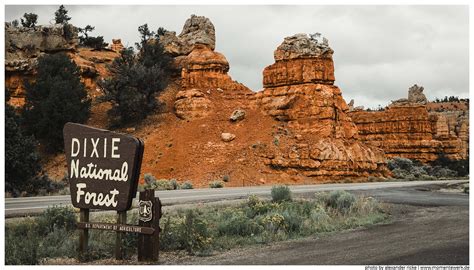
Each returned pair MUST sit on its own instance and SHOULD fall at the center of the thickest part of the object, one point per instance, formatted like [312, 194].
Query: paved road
[428, 226]
[31, 205]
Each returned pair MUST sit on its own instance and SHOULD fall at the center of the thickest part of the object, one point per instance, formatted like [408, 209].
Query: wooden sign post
[149, 216]
[103, 169]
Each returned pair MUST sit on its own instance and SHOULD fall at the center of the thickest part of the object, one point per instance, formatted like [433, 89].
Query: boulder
[196, 30]
[227, 137]
[237, 115]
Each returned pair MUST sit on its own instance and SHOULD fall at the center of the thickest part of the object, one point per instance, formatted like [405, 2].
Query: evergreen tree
[93, 42]
[60, 16]
[29, 20]
[21, 158]
[137, 78]
[56, 97]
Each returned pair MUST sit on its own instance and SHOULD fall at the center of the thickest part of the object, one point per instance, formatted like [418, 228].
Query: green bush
[174, 184]
[340, 200]
[216, 184]
[187, 185]
[280, 194]
[235, 222]
[21, 243]
[56, 218]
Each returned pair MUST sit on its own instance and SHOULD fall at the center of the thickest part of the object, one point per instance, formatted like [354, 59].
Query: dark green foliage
[29, 20]
[85, 40]
[56, 218]
[56, 97]
[281, 193]
[68, 31]
[459, 166]
[403, 168]
[60, 16]
[21, 243]
[15, 23]
[21, 159]
[96, 43]
[43, 185]
[216, 184]
[136, 80]
[49, 235]
[189, 233]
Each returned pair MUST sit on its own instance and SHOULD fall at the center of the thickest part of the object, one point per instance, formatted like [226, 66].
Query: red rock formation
[25, 45]
[116, 45]
[402, 131]
[323, 140]
[408, 129]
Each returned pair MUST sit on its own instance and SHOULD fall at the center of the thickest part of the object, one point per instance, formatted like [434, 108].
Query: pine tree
[21, 158]
[29, 20]
[60, 16]
[56, 97]
[137, 78]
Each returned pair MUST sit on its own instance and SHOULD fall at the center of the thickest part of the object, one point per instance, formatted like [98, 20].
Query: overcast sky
[379, 51]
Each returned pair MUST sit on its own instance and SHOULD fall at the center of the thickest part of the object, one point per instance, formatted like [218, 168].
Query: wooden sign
[103, 167]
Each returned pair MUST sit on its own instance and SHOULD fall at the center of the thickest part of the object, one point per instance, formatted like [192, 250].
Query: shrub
[400, 163]
[194, 233]
[164, 184]
[280, 194]
[226, 178]
[22, 162]
[21, 243]
[56, 218]
[56, 97]
[216, 184]
[85, 40]
[29, 20]
[187, 185]
[459, 166]
[174, 184]
[340, 200]
[236, 223]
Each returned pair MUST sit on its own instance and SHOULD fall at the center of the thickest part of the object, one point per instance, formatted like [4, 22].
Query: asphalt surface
[429, 226]
[23, 206]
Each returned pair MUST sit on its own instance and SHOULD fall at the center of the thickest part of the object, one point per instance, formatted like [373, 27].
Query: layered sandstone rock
[408, 129]
[116, 45]
[24, 45]
[451, 127]
[299, 92]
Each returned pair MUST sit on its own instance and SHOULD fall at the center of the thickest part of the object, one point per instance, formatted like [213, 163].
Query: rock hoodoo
[299, 93]
[196, 30]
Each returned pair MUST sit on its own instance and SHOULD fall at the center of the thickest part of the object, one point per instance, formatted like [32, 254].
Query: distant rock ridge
[408, 128]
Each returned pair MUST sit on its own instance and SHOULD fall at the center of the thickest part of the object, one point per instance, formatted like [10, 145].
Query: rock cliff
[409, 128]
[24, 45]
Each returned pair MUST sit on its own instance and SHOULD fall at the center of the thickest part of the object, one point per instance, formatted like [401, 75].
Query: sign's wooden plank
[103, 167]
[115, 227]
